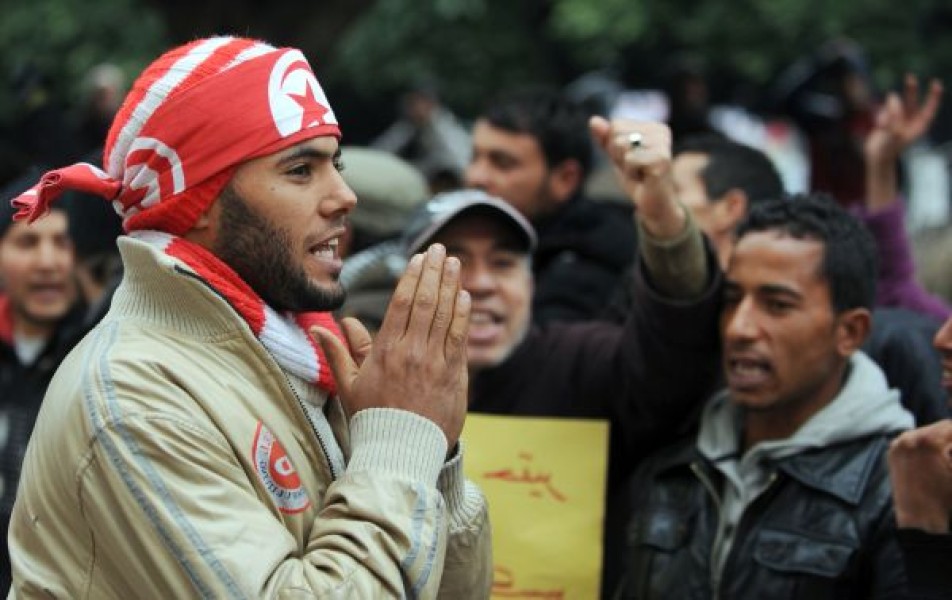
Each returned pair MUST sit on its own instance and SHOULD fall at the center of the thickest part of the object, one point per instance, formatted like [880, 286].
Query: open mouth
[745, 373]
[947, 376]
[484, 325]
[326, 250]
[47, 290]
[484, 317]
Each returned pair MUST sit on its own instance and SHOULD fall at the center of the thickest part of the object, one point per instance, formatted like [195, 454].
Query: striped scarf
[285, 336]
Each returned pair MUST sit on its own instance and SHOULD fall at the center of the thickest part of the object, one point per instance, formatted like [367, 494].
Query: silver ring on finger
[635, 140]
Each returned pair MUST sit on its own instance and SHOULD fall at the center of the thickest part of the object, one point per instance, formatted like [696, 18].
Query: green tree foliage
[477, 46]
[62, 39]
[757, 38]
[471, 47]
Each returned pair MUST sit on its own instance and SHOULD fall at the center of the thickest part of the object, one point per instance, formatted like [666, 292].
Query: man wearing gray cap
[645, 375]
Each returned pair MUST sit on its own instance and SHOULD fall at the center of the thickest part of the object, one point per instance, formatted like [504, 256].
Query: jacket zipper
[744, 519]
[307, 415]
[709, 486]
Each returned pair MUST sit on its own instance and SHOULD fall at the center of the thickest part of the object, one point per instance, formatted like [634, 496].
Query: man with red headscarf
[214, 436]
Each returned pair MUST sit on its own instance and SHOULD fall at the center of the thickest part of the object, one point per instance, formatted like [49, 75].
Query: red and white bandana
[285, 336]
[187, 126]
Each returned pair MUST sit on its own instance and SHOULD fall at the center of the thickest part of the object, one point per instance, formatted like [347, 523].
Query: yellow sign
[544, 479]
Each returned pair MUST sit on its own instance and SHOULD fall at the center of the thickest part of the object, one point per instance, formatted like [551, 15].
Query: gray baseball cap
[433, 216]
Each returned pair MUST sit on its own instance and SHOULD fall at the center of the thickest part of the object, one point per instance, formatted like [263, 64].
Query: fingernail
[436, 250]
[451, 265]
[463, 298]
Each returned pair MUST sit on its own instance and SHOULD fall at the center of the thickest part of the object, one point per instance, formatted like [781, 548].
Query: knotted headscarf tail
[284, 335]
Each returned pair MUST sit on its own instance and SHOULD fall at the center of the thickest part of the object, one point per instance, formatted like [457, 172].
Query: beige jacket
[174, 458]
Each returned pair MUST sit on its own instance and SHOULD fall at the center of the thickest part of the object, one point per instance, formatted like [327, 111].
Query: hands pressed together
[417, 362]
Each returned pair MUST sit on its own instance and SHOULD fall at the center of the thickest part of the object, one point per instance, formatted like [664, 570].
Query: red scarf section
[6, 321]
[285, 336]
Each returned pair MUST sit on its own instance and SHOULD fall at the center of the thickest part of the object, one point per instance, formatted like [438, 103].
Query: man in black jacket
[41, 318]
[783, 493]
[532, 149]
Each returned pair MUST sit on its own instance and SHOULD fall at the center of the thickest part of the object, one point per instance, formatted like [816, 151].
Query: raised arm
[670, 244]
[900, 122]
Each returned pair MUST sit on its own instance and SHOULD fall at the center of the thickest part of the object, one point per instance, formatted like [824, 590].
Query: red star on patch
[314, 111]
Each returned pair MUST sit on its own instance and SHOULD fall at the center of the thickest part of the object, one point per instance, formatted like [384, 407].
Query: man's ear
[852, 327]
[204, 221]
[205, 229]
[729, 210]
[564, 179]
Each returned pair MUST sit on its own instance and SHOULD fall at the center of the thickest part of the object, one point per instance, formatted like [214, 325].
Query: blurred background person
[94, 228]
[830, 95]
[428, 135]
[103, 88]
[531, 147]
[41, 318]
[388, 190]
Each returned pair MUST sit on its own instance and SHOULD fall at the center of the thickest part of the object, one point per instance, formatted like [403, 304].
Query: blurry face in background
[689, 186]
[498, 276]
[510, 166]
[36, 270]
[943, 343]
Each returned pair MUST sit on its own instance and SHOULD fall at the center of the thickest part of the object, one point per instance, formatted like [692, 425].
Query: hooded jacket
[809, 516]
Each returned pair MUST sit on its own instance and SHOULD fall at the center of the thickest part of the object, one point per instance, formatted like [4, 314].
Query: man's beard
[261, 255]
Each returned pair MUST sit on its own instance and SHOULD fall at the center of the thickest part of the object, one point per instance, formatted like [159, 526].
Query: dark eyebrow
[308, 152]
[780, 290]
[770, 289]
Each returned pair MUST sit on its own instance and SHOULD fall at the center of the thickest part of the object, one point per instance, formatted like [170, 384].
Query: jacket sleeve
[662, 362]
[897, 284]
[467, 571]
[927, 558]
[886, 572]
[172, 489]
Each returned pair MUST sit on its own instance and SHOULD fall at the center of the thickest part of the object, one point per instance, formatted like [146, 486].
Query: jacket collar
[160, 291]
[841, 470]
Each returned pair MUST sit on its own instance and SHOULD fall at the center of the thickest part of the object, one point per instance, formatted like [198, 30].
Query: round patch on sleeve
[276, 472]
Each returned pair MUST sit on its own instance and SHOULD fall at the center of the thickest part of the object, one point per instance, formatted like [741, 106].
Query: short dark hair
[849, 252]
[734, 166]
[559, 125]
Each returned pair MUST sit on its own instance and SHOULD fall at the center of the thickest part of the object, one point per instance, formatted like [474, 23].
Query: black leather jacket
[824, 528]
